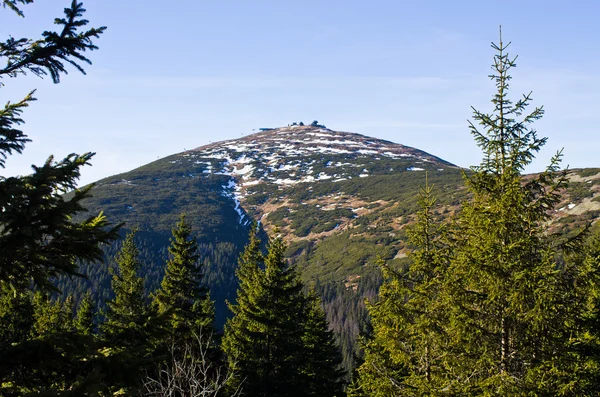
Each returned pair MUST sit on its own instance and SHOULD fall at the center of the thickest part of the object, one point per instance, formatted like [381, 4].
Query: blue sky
[172, 78]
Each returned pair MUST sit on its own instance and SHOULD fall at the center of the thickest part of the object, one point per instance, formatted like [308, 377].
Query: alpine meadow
[295, 261]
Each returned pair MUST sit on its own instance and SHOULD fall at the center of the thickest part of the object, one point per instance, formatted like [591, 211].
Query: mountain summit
[245, 177]
[297, 154]
[299, 141]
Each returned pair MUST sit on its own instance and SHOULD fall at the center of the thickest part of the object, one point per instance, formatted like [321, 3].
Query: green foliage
[182, 292]
[311, 219]
[585, 345]
[128, 313]
[262, 338]
[217, 260]
[42, 354]
[13, 5]
[50, 316]
[405, 353]
[39, 240]
[131, 327]
[49, 54]
[578, 191]
[586, 172]
[505, 287]
[346, 313]
[271, 337]
[346, 254]
[498, 308]
[16, 316]
[322, 358]
[84, 322]
[150, 197]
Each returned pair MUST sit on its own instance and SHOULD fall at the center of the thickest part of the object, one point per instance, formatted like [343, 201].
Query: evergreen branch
[546, 187]
[13, 5]
[38, 239]
[49, 55]
[12, 139]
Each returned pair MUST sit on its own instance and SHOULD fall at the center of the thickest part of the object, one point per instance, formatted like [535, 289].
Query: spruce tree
[128, 313]
[278, 340]
[507, 295]
[263, 338]
[403, 355]
[54, 359]
[585, 342]
[16, 317]
[502, 307]
[131, 326]
[322, 360]
[182, 292]
[84, 321]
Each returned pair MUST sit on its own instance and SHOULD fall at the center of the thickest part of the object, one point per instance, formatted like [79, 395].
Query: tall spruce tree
[404, 354]
[263, 339]
[182, 292]
[504, 308]
[272, 338]
[131, 325]
[507, 295]
[128, 314]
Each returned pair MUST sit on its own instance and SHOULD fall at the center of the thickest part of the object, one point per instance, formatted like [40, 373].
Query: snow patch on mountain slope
[233, 191]
[290, 156]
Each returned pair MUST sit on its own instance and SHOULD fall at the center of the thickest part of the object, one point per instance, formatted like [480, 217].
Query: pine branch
[11, 138]
[50, 54]
[13, 5]
[38, 238]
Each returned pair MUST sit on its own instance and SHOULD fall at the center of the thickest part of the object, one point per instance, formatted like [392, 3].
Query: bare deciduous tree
[189, 373]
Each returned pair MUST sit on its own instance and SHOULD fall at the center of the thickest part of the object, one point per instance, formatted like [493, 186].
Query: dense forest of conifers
[490, 304]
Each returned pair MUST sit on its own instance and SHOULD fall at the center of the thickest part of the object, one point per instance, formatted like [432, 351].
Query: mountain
[278, 165]
[340, 199]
